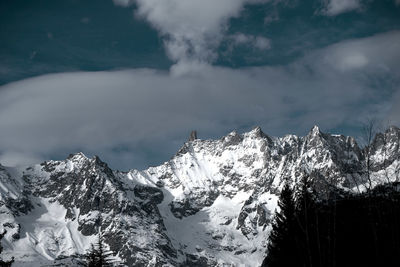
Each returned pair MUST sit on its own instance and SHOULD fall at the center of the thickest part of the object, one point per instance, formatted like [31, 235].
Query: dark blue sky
[170, 67]
[45, 36]
[55, 36]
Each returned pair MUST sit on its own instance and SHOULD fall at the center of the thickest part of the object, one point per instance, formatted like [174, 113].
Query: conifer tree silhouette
[281, 239]
[98, 256]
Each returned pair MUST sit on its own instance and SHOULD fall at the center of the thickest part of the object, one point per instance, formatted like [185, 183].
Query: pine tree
[4, 263]
[98, 256]
[306, 232]
[281, 240]
[91, 257]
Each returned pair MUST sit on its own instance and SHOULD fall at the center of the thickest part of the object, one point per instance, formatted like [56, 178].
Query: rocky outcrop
[193, 136]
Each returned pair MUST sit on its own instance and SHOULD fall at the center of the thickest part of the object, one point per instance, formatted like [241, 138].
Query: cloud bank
[115, 113]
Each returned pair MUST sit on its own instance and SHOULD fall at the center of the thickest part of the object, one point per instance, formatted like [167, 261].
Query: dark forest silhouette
[346, 229]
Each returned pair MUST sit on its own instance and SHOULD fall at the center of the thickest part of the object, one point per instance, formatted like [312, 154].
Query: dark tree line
[345, 230]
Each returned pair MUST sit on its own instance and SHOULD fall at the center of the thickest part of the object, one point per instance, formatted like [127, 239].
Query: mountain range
[211, 204]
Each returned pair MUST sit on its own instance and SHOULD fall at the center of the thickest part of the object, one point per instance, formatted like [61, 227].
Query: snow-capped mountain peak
[210, 205]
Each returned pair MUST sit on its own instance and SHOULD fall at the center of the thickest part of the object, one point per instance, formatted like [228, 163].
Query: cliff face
[210, 205]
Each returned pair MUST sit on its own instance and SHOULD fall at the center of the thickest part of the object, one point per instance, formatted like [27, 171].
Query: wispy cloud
[258, 42]
[336, 7]
[124, 3]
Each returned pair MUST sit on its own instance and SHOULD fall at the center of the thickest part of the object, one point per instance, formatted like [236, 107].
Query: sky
[128, 80]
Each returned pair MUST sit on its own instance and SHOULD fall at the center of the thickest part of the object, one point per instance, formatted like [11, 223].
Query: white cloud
[241, 38]
[274, 16]
[378, 52]
[102, 112]
[262, 43]
[192, 29]
[336, 7]
[258, 42]
[14, 159]
[354, 61]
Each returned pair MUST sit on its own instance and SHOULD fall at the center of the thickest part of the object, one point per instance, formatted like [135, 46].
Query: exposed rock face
[210, 205]
[193, 136]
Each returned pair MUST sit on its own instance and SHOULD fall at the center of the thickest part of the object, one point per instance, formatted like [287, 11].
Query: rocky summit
[210, 205]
